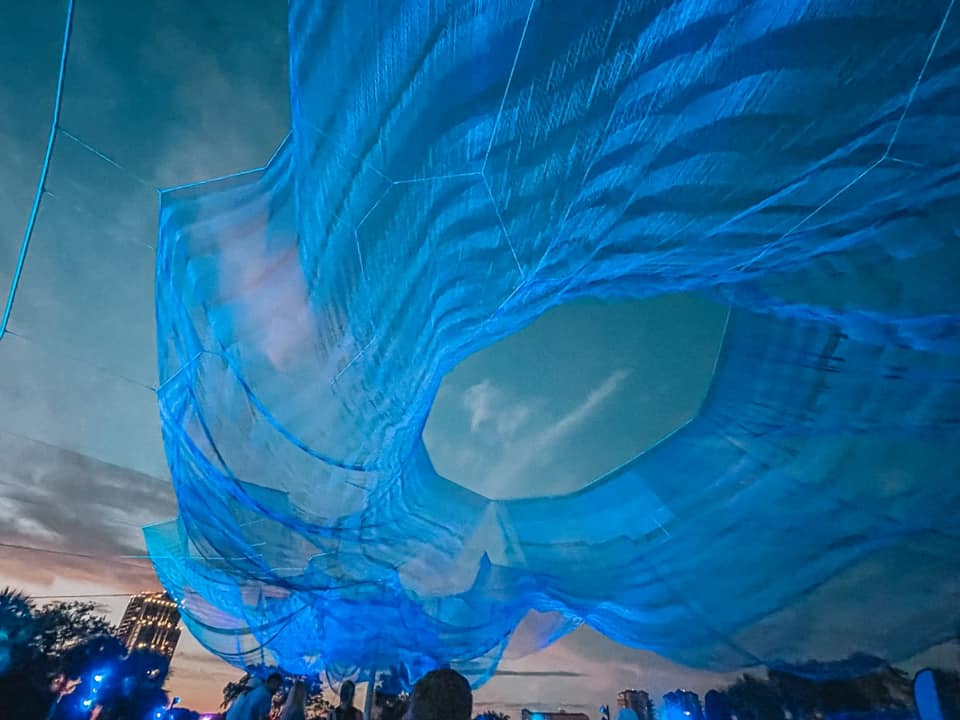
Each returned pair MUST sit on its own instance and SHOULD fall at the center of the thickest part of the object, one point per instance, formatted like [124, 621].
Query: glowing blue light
[98, 678]
[87, 703]
[491, 161]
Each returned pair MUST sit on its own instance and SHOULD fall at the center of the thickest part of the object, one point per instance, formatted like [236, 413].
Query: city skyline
[604, 670]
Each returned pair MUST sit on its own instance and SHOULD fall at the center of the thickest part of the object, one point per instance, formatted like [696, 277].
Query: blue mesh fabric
[454, 170]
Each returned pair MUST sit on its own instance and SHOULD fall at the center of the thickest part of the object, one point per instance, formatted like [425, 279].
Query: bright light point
[686, 712]
[98, 678]
[87, 703]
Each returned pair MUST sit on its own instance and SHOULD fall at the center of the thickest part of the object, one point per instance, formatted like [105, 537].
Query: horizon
[654, 675]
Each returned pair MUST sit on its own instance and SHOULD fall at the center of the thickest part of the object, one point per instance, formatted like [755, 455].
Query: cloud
[232, 100]
[552, 435]
[487, 404]
[86, 513]
[64, 502]
[523, 451]
[538, 673]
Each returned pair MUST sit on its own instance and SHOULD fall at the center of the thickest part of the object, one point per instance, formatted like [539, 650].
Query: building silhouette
[151, 622]
[682, 705]
[636, 700]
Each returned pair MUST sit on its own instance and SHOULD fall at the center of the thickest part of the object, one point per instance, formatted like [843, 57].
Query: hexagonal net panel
[453, 171]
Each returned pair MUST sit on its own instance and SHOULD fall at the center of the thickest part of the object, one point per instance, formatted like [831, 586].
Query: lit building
[559, 715]
[636, 700]
[151, 622]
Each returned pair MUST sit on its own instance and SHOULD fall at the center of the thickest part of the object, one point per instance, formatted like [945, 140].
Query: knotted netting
[454, 170]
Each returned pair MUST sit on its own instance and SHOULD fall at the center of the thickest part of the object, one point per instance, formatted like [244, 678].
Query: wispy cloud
[527, 444]
[552, 435]
[538, 673]
[63, 502]
[489, 406]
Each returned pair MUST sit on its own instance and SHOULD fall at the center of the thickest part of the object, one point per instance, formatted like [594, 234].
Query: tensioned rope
[38, 196]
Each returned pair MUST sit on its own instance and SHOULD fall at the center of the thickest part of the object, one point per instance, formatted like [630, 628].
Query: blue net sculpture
[455, 169]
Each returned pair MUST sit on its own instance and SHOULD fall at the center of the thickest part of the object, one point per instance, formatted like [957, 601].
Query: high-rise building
[151, 622]
[636, 700]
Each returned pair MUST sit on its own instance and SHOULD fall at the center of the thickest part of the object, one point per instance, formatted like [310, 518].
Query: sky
[173, 91]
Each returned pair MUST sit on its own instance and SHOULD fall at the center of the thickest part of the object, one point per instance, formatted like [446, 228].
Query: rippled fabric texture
[455, 169]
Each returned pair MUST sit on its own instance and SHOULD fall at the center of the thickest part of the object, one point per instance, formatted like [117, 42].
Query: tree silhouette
[818, 689]
[232, 690]
[66, 625]
[716, 706]
[23, 667]
[753, 698]
[123, 685]
[800, 696]
[40, 649]
[492, 715]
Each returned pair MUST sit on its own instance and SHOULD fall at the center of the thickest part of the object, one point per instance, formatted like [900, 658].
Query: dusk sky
[174, 91]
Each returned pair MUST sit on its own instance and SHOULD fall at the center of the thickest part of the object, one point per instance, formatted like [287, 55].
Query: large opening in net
[582, 390]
